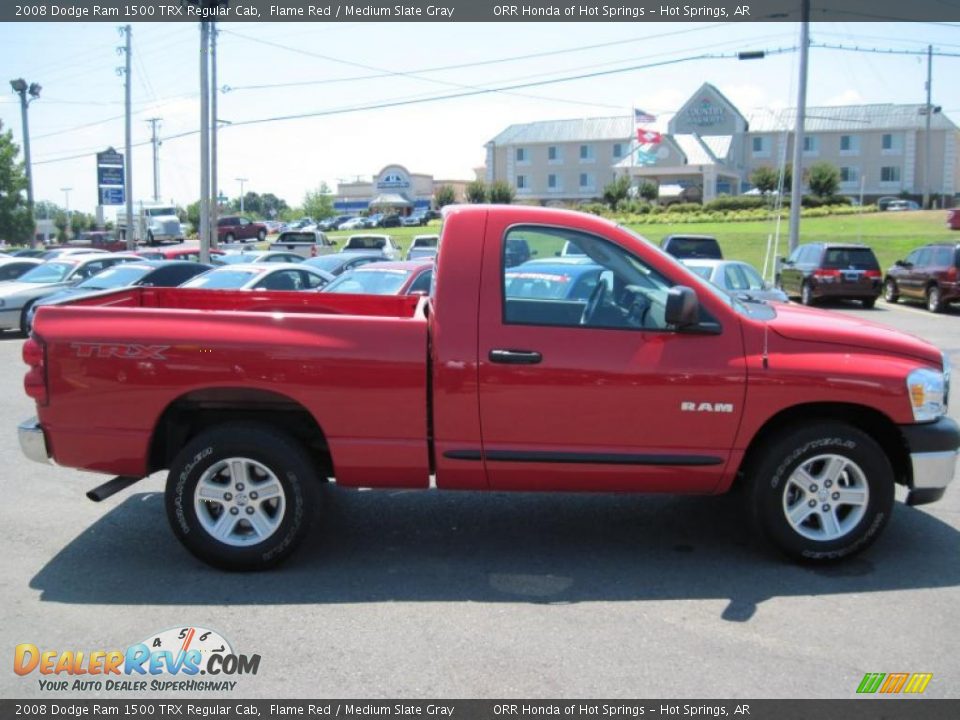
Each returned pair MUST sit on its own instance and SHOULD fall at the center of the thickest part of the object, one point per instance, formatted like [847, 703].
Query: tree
[444, 196]
[823, 179]
[616, 190]
[16, 221]
[193, 215]
[764, 179]
[477, 192]
[500, 192]
[318, 203]
[649, 191]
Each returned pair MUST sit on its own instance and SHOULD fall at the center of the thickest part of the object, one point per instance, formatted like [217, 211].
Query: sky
[268, 70]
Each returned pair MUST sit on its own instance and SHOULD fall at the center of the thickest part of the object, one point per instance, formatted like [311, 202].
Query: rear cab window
[853, 258]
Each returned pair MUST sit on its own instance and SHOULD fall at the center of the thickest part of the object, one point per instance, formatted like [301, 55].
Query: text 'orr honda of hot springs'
[530, 367]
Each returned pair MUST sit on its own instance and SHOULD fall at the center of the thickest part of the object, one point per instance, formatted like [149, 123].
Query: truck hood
[797, 322]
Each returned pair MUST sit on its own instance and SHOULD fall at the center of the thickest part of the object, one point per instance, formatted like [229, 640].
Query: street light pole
[241, 181]
[796, 194]
[22, 89]
[66, 195]
[214, 129]
[927, 160]
[204, 142]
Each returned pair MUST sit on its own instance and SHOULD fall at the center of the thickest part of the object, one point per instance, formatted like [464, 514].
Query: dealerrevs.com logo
[894, 683]
[172, 660]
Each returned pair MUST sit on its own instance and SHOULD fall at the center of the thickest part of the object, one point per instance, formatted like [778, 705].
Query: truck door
[587, 388]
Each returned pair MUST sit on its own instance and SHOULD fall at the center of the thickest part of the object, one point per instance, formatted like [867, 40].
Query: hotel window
[523, 155]
[586, 153]
[617, 151]
[522, 182]
[811, 145]
[891, 143]
[849, 145]
[553, 154]
[849, 175]
[552, 182]
[586, 181]
[890, 174]
[761, 146]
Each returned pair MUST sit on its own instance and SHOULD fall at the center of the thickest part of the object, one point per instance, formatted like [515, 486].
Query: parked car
[737, 278]
[341, 262]
[358, 223]
[261, 276]
[953, 219]
[414, 219]
[374, 244]
[145, 273]
[516, 251]
[929, 273]
[333, 223]
[815, 271]
[176, 253]
[570, 278]
[423, 246]
[406, 277]
[59, 252]
[28, 252]
[662, 385]
[884, 202]
[902, 206]
[12, 267]
[236, 227]
[98, 240]
[17, 296]
[304, 223]
[685, 247]
[256, 256]
[308, 243]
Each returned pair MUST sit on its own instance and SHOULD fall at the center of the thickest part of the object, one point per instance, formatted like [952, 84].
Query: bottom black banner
[860, 709]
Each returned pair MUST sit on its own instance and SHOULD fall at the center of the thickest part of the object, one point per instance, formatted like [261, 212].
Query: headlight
[927, 390]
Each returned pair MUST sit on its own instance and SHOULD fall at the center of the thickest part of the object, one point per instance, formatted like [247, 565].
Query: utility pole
[927, 160]
[22, 89]
[241, 181]
[796, 194]
[214, 129]
[133, 226]
[204, 142]
[66, 195]
[156, 157]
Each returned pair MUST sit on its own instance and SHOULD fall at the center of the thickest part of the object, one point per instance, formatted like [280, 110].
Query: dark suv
[234, 227]
[929, 273]
[688, 247]
[831, 270]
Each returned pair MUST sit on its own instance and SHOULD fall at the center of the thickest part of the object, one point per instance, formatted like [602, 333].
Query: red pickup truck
[640, 377]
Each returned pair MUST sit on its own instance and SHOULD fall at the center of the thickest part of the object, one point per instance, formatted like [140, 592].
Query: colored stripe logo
[894, 683]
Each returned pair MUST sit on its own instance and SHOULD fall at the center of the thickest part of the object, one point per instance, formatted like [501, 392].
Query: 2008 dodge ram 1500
[639, 377]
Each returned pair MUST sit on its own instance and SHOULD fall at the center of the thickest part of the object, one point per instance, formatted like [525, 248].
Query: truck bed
[120, 361]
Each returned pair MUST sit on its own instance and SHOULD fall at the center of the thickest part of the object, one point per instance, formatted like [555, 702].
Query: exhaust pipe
[112, 487]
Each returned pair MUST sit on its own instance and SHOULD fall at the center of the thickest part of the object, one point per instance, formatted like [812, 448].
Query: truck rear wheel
[821, 494]
[241, 496]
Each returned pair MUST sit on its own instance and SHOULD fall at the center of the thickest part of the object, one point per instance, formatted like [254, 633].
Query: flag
[639, 116]
[648, 137]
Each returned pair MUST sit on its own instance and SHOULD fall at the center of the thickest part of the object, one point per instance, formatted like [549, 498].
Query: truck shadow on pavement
[409, 546]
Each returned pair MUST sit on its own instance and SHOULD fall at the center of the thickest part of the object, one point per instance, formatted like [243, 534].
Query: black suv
[929, 273]
[687, 247]
[831, 270]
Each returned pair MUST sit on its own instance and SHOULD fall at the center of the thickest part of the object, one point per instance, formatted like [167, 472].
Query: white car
[12, 268]
[357, 223]
[17, 296]
[737, 278]
[261, 276]
[423, 246]
[383, 245]
[244, 257]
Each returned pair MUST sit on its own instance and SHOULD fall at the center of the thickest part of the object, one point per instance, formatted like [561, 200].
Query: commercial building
[394, 189]
[711, 148]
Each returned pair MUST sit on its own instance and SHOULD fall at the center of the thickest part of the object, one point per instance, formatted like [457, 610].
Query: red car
[653, 381]
[953, 219]
[235, 227]
[409, 277]
[177, 253]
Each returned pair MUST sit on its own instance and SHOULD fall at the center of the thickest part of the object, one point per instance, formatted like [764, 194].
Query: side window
[913, 257]
[943, 257]
[422, 283]
[795, 255]
[923, 257]
[309, 280]
[752, 277]
[607, 287]
[283, 280]
[734, 278]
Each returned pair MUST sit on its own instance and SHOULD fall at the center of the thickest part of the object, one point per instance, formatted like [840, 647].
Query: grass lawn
[891, 234]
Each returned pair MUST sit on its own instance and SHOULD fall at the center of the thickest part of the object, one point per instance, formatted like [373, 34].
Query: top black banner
[945, 11]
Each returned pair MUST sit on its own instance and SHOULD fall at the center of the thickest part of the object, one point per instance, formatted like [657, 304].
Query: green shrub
[738, 202]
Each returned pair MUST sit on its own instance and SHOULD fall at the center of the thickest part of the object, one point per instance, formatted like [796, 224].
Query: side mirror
[785, 261]
[683, 308]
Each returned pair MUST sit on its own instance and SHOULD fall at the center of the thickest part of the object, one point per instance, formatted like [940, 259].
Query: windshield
[157, 212]
[235, 258]
[49, 272]
[369, 282]
[117, 276]
[221, 279]
[425, 242]
[365, 243]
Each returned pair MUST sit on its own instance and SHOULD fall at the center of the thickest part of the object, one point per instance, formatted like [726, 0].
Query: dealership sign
[110, 177]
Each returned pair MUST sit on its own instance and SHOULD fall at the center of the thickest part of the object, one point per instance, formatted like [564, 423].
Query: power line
[880, 51]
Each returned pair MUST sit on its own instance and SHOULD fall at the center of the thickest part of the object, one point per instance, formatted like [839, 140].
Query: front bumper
[33, 442]
[933, 451]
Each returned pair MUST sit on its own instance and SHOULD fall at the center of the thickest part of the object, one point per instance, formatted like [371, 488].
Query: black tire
[24, 325]
[150, 240]
[806, 294]
[890, 292]
[281, 455]
[934, 299]
[772, 490]
[262, 235]
[868, 303]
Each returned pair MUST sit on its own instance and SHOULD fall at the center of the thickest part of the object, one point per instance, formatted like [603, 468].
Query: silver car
[737, 278]
[423, 246]
[261, 276]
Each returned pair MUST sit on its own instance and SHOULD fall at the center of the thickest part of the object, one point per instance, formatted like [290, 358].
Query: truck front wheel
[823, 493]
[241, 496]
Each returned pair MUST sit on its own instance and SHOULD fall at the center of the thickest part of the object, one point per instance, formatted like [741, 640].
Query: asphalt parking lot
[414, 594]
